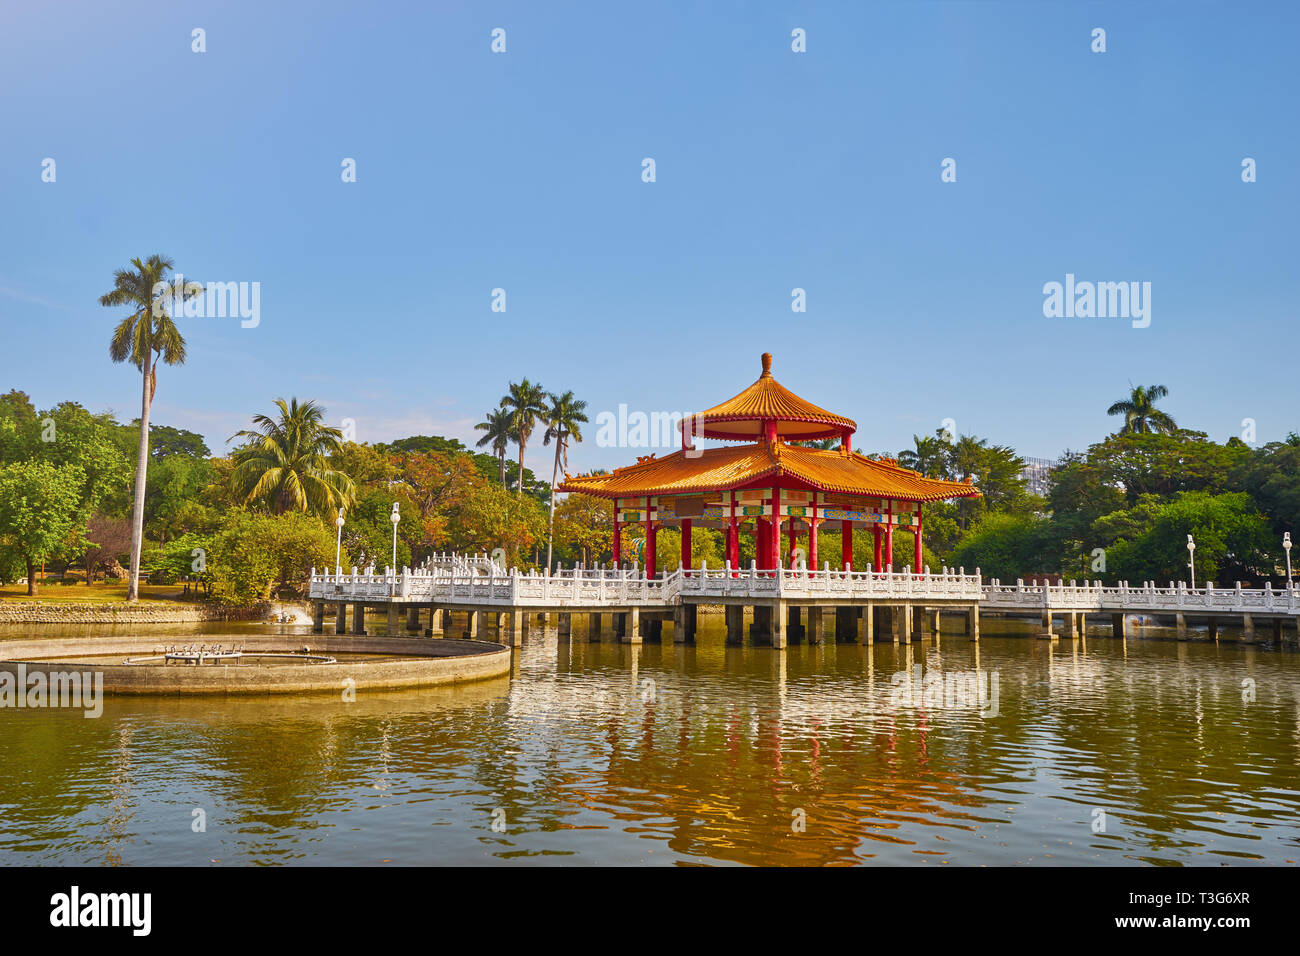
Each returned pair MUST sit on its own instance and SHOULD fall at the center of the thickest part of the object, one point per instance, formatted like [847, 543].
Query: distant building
[1037, 474]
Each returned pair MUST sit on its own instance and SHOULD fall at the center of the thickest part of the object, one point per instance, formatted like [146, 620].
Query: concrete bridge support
[684, 622]
[435, 627]
[341, 618]
[1213, 626]
[760, 623]
[1277, 629]
[795, 630]
[933, 619]
[777, 616]
[593, 626]
[973, 622]
[1180, 622]
[394, 619]
[735, 616]
[816, 631]
[1069, 625]
[1248, 629]
[1047, 634]
[846, 625]
[630, 626]
[514, 632]
[318, 617]
[413, 618]
[472, 625]
[359, 618]
[1119, 626]
[564, 625]
[903, 624]
[867, 625]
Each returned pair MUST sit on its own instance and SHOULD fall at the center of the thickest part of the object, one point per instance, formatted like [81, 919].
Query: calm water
[675, 754]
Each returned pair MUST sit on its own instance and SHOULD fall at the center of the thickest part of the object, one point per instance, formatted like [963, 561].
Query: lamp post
[1286, 546]
[338, 544]
[394, 518]
[1191, 559]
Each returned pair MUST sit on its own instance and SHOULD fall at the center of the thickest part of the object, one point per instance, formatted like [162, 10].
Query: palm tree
[285, 466]
[526, 403]
[498, 433]
[1140, 414]
[562, 419]
[143, 337]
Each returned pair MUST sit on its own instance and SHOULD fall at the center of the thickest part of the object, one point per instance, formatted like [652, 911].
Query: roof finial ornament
[767, 364]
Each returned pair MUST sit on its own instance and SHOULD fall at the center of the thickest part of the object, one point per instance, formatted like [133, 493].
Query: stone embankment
[68, 612]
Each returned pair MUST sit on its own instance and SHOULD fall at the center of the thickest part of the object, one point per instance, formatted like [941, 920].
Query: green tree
[498, 429]
[526, 403]
[143, 337]
[1140, 413]
[285, 463]
[39, 504]
[564, 417]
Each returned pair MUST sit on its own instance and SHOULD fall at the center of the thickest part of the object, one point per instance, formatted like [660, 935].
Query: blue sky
[775, 170]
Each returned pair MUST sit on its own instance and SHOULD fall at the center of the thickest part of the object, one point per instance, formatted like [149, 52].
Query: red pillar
[618, 538]
[776, 526]
[686, 544]
[649, 542]
[794, 543]
[889, 547]
[917, 566]
[812, 543]
[846, 544]
[733, 544]
[875, 533]
[761, 550]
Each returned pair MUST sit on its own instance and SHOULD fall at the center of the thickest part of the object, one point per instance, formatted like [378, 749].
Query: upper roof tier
[767, 400]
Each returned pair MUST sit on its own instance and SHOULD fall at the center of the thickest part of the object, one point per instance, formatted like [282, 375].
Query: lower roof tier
[743, 466]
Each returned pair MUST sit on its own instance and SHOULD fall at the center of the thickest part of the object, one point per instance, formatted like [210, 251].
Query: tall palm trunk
[501, 460]
[550, 521]
[137, 514]
[523, 443]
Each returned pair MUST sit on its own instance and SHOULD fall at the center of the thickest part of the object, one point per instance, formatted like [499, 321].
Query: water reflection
[1097, 750]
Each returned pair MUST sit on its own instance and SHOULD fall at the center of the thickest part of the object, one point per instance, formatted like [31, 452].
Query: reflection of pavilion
[771, 483]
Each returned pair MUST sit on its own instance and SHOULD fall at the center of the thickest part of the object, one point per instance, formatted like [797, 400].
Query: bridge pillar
[593, 626]
[794, 625]
[846, 625]
[446, 621]
[341, 618]
[359, 618]
[866, 625]
[1248, 629]
[777, 617]
[933, 615]
[735, 615]
[903, 623]
[472, 625]
[1047, 634]
[514, 635]
[413, 617]
[816, 629]
[1180, 622]
[541, 618]
[1068, 625]
[1119, 626]
[630, 629]
[684, 622]
[1213, 626]
[435, 624]
[318, 617]
[760, 624]
[394, 618]
[973, 622]
[1277, 629]
[564, 625]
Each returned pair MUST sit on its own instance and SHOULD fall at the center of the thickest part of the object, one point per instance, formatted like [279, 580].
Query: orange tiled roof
[767, 399]
[736, 466]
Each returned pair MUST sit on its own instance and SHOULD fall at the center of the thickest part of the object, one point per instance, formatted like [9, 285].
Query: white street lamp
[394, 518]
[1286, 546]
[338, 543]
[1191, 559]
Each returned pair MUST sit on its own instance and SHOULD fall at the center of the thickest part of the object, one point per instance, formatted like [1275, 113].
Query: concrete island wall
[71, 612]
[404, 662]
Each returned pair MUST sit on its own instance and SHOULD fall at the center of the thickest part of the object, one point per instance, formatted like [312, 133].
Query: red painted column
[762, 550]
[618, 537]
[812, 543]
[846, 544]
[686, 544]
[875, 533]
[649, 542]
[733, 544]
[917, 566]
[776, 526]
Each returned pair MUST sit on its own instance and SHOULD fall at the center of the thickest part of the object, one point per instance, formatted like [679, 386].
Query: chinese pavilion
[771, 483]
